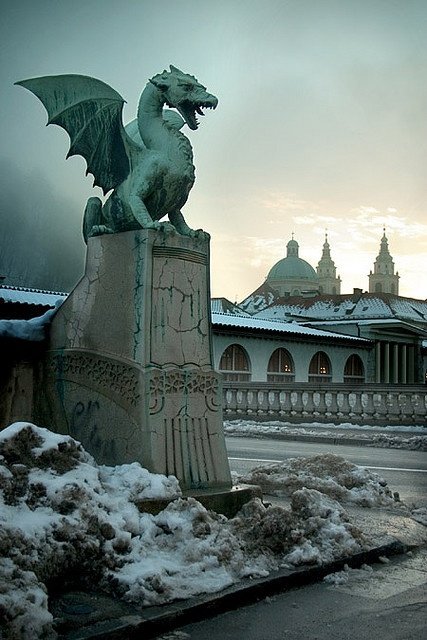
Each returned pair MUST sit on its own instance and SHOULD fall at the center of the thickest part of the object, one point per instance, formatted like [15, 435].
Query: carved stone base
[129, 371]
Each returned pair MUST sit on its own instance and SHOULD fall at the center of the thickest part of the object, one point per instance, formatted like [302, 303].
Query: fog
[41, 245]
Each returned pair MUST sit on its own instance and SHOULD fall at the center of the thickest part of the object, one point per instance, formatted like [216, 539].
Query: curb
[153, 621]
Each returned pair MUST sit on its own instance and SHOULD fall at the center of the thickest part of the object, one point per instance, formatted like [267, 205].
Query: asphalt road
[405, 471]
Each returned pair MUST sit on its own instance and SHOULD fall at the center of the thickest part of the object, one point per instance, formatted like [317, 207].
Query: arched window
[354, 371]
[378, 288]
[320, 369]
[234, 364]
[280, 367]
[392, 288]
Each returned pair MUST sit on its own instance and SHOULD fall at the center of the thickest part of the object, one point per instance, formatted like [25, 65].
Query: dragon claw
[199, 234]
[167, 227]
[99, 230]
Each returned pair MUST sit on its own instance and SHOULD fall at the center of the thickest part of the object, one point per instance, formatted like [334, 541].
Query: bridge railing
[337, 403]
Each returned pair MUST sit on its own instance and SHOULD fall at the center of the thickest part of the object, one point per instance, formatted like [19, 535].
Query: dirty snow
[348, 574]
[330, 474]
[420, 515]
[411, 437]
[63, 518]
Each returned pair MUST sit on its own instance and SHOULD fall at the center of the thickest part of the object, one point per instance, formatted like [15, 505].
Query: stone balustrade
[296, 402]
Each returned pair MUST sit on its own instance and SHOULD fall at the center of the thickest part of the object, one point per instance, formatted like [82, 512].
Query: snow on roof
[22, 295]
[250, 322]
[223, 305]
[259, 299]
[349, 306]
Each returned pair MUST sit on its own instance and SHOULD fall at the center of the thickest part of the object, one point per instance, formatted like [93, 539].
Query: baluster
[230, 400]
[355, 401]
[420, 405]
[273, 402]
[242, 400]
[251, 401]
[405, 406]
[368, 404]
[380, 405]
[285, 403]
[262, 402]
[393, 409]
[344, 404]
[331, 403]
[297, 404]
[307, 398]
[321, 405]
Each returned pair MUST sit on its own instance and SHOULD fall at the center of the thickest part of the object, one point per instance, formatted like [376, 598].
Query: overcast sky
[321, 123]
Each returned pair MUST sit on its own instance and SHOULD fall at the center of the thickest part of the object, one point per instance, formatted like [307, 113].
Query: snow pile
[316, 529]
[33, 330]
[64, 520]
[184, 551]
[412, 443]
[60, 515]
[330, 474]
[411, 437]
[420, 515]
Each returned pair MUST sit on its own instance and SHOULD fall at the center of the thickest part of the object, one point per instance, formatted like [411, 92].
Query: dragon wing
[90, 111]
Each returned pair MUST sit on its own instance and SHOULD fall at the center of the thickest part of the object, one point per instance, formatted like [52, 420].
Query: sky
[321, 124]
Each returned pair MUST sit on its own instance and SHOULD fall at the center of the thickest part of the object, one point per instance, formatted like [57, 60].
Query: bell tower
[383, 279]
[329, 282]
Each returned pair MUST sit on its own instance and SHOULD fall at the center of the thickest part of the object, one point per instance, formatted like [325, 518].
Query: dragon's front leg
[178, 221]
[92, 220]
[142, 216]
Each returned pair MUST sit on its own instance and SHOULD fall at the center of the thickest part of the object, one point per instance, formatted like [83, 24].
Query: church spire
[383, 279]
[329, 282]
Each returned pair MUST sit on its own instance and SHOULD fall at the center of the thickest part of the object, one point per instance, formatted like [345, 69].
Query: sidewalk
[85, 616]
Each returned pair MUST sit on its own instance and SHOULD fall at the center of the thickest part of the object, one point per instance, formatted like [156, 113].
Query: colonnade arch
[235, 364]
[320, 368]
[281, 366]
[354, 371]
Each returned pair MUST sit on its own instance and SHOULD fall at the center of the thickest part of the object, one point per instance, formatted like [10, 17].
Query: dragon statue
[148, 165]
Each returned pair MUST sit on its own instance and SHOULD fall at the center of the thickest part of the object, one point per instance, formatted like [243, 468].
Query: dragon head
[183, 92]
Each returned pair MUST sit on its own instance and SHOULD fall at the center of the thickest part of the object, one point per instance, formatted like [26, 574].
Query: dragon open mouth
[189, 109]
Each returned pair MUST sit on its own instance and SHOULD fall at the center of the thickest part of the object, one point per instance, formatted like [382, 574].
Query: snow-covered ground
[412, 437]
[65, 519]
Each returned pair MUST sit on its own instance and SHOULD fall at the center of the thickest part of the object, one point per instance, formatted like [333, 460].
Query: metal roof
[260, 324]
[40, 297]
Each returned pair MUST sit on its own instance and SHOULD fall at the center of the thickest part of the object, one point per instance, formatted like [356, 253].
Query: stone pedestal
[129, 368]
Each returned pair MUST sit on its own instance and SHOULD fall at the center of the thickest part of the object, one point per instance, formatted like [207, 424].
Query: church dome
[292, 266]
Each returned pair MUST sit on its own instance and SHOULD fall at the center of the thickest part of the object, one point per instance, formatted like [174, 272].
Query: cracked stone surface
[129, 370]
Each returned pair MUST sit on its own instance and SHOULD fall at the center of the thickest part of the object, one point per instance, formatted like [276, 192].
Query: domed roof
[292, 266]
